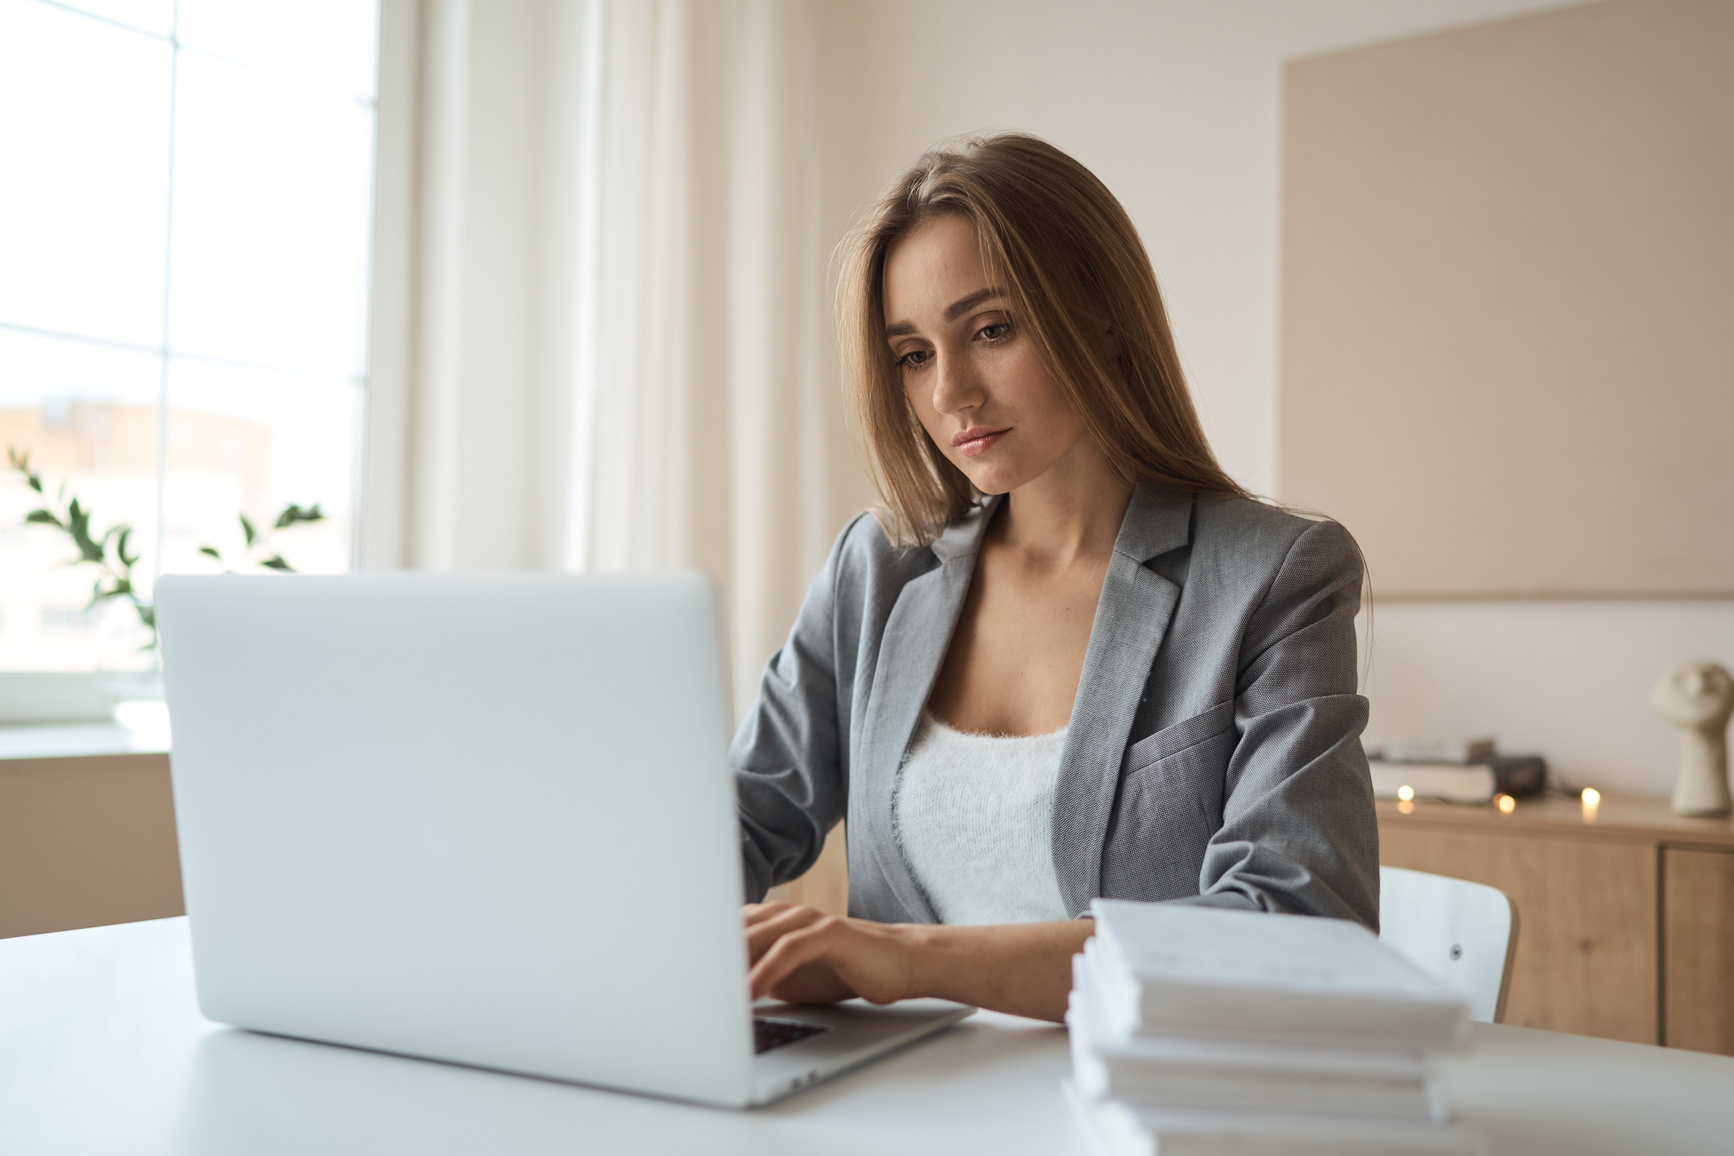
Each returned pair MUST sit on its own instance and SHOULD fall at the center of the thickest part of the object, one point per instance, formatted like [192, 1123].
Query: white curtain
[703, 388]
[613, 350]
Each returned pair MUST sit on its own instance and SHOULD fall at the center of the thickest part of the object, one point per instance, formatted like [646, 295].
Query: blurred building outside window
[184, 261]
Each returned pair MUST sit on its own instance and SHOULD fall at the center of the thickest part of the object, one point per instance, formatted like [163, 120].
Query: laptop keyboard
[769, 1033]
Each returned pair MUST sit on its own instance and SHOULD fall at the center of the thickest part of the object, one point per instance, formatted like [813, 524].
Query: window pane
[326, 42]
[250, 442]
[272, 191]
[87, 416]
[84, 131]
[154, 16]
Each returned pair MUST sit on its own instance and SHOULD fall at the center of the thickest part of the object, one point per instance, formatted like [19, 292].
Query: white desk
[102, 1050]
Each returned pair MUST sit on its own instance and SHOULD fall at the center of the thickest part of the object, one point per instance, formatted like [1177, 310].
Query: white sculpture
[1698, 697]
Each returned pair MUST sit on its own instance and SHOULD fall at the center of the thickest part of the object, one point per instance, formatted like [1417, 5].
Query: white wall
[1569, 679]
[1176, 104]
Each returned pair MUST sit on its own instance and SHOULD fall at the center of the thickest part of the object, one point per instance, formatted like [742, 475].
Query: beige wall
[1178, 106]
[1503, 394]
[1508, 303]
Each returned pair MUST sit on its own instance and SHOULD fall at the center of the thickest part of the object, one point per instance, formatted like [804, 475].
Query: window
[184, 237]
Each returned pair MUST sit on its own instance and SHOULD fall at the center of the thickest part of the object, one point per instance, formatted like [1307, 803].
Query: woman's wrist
[922, 951]
[950, 962]
[1024, 969]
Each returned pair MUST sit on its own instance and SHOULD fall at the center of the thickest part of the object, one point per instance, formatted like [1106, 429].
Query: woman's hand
[801, 955]
[805, 956]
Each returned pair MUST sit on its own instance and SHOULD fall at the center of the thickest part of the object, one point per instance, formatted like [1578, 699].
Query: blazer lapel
[1132, 617]
[912, 649]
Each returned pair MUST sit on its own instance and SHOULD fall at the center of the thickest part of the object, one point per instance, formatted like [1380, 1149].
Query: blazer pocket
[1168, 808]
[1172, 740]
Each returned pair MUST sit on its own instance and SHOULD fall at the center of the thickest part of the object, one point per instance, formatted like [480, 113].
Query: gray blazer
[1213, 754]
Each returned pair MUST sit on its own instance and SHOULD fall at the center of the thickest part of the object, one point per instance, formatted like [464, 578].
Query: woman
[1071, 658]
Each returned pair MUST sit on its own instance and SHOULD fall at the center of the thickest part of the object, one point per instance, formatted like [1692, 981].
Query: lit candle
[1405, 793]
[1505, 803]
[1592, 799]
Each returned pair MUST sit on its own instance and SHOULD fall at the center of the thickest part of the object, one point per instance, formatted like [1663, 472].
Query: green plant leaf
[120, 589]
[78, 525]
[21, 463]
[276, 562]
[127, 561]
[43, 517]
[247, 529]
[210, 552]
[293, 513]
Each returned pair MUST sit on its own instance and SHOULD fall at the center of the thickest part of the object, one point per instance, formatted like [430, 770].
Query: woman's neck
[1073, 511]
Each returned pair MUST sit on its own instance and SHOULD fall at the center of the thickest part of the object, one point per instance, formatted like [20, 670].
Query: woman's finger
[753, 913]
[810, 944]
[767, 931]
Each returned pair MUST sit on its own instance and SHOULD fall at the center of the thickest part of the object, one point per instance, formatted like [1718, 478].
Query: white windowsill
[145, 731]
[58, 740]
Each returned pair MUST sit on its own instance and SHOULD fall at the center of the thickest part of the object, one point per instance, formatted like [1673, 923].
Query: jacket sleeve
[789, 754]
[1299, 832]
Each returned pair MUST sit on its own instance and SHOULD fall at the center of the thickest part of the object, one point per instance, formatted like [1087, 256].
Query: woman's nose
[955, 387]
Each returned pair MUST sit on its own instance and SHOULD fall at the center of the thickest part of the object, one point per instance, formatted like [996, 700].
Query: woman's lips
[977, 439]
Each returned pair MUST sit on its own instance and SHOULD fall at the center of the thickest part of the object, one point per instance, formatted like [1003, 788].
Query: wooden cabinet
[1698, 949]
[86, 841]
[1625, 911]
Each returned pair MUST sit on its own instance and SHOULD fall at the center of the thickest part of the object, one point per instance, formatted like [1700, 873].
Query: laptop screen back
[486, 819]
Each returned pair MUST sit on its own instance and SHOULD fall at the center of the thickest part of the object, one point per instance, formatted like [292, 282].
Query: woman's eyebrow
[963, 305]
[952, 312]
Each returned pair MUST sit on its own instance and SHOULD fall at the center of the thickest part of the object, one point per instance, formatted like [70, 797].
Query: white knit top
[974, 816]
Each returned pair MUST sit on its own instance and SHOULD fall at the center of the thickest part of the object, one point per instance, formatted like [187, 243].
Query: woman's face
[974, 378]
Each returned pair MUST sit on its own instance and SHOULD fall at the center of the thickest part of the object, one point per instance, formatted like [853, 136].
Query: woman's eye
[995, 331]
[914, 359]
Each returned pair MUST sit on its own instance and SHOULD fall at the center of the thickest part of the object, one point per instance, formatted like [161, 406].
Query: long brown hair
[1080, 285]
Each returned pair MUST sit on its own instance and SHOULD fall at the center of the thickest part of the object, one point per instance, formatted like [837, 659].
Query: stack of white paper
[1198, 1030]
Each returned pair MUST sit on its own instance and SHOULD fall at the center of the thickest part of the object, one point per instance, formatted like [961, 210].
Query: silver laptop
[484, 819]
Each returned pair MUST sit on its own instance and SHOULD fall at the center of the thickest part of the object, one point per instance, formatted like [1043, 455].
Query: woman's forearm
[1021, 968]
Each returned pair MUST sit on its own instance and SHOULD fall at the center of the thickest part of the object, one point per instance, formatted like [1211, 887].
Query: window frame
[380, 446]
